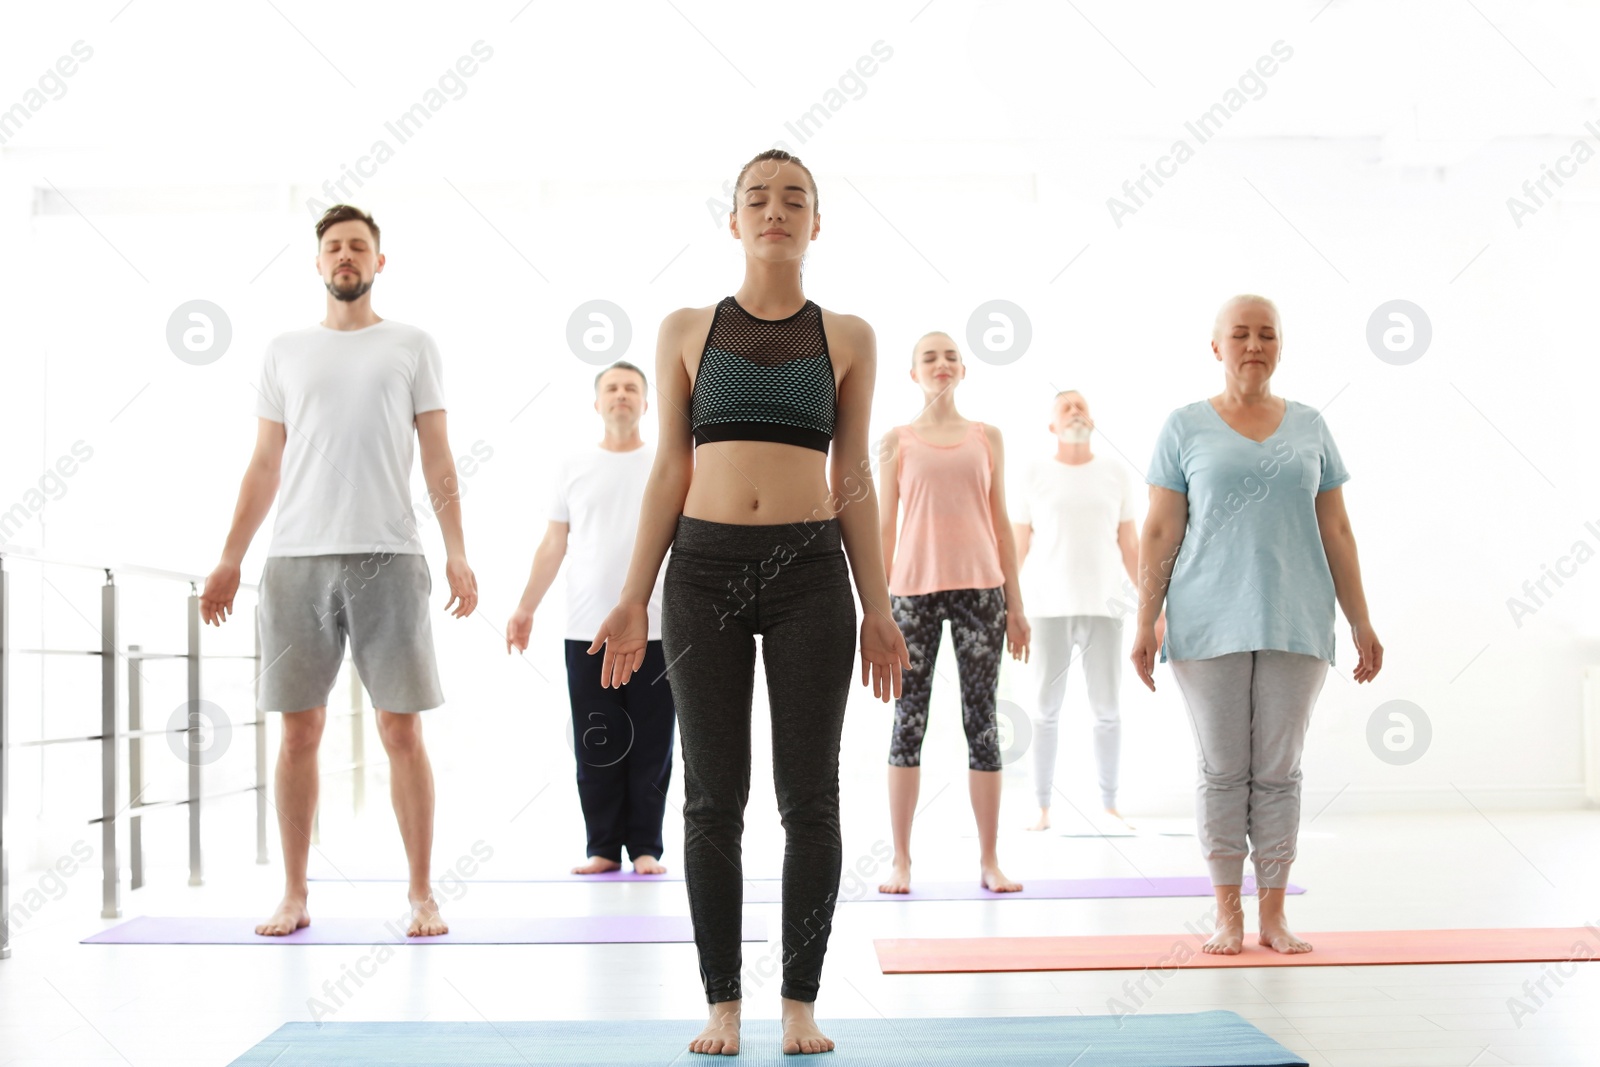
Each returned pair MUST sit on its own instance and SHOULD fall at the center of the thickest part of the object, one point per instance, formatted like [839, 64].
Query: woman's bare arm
[1159, 542]
[850, 471]
[673, 469]
[1000, 521]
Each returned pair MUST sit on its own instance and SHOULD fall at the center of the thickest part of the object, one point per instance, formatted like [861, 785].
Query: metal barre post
[110, 874]
[192, 747]
[135, 769]
[261, 749]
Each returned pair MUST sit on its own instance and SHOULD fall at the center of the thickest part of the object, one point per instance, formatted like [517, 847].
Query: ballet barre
[133, 809]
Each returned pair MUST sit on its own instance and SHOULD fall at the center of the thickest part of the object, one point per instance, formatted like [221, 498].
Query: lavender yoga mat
[577, 929]
[566, 876]
[770, 890]
[1052, 889]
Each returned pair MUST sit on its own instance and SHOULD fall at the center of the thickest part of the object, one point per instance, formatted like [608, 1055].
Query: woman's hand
[1145, 646]
[625, 633]
[883, 654]
[1369, 652]
[1018, 635]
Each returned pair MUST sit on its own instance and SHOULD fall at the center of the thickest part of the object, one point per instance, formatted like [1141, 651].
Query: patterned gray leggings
[978, 625]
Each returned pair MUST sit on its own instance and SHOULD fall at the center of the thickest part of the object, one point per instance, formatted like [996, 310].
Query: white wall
[976, 164]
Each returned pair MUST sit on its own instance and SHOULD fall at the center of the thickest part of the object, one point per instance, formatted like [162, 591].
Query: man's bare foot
[290, 916]
[597, 865]
[425, 919]
[800, 1033]
[995, 880]
[899, 878]
[1044, 820]
[1276, 935]
[721, 1035]
[648, 865]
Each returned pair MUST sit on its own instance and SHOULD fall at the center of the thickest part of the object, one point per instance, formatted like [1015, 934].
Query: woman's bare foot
[1279, 938]
[1044, 820]
[899, 878]
[290, 916]
[995, 880]
[1275, 932]
[425, 919]
[800, 1033]
[721, 1035]
[1228, 939]
[648, 865]
[597, 865]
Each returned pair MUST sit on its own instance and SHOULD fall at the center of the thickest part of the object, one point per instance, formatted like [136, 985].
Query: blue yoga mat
[1200, 1039]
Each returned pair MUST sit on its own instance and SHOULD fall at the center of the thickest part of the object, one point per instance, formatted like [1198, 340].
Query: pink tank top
[947, 538]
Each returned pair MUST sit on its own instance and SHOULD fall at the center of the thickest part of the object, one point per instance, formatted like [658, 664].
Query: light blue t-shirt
[1251, 573]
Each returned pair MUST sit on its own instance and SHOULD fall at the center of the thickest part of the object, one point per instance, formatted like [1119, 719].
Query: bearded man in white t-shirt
[1073, 517]
[336, 405]
[621, 737]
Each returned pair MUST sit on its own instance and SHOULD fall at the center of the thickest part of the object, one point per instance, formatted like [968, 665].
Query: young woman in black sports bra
[752, 391]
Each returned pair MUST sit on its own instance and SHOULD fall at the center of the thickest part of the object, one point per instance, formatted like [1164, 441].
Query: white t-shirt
[1074, 566]
[348, 400]
[597, 493]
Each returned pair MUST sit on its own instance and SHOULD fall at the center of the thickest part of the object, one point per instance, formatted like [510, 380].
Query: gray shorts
[309, 604]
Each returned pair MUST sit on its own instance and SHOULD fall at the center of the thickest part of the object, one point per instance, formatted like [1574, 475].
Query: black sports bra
[765, 379]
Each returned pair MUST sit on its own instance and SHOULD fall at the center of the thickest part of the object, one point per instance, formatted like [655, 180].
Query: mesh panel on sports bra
[765, 380]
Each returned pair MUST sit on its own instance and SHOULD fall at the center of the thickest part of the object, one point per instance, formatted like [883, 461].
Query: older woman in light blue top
[1248, 543]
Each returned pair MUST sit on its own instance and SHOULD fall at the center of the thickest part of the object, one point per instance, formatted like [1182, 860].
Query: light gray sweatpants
[1100, 639]
[1249, 711]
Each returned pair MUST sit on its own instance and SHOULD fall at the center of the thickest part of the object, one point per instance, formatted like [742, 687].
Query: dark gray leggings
[790, 583]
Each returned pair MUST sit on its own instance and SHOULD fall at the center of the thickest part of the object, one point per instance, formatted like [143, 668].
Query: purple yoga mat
[770, 890]
[1047, 889]
[565, 876]
[578, 929]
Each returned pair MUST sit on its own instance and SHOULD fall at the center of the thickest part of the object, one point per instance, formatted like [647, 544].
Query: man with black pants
[622, 738]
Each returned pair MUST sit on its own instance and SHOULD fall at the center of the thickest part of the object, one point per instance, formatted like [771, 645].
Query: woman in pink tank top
[956, 560]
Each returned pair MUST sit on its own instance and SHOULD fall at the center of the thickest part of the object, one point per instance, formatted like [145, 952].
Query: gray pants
[1249, 711]
[1099, 637]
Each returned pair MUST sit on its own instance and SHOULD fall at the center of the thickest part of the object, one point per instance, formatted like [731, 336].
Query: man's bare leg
[296, 783]
[411, 791]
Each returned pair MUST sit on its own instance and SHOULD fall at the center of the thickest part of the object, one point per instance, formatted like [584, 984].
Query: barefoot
[1276, 935]
[721, 1035]
[995, 880]
[1228, 940]
[425, 919]
[800, 1033]
[290, 916]
[899, 879]
[1044, 820]
[648, 865]
[597, 865]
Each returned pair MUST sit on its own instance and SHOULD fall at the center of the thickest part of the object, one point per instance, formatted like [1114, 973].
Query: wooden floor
[62, 1003]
